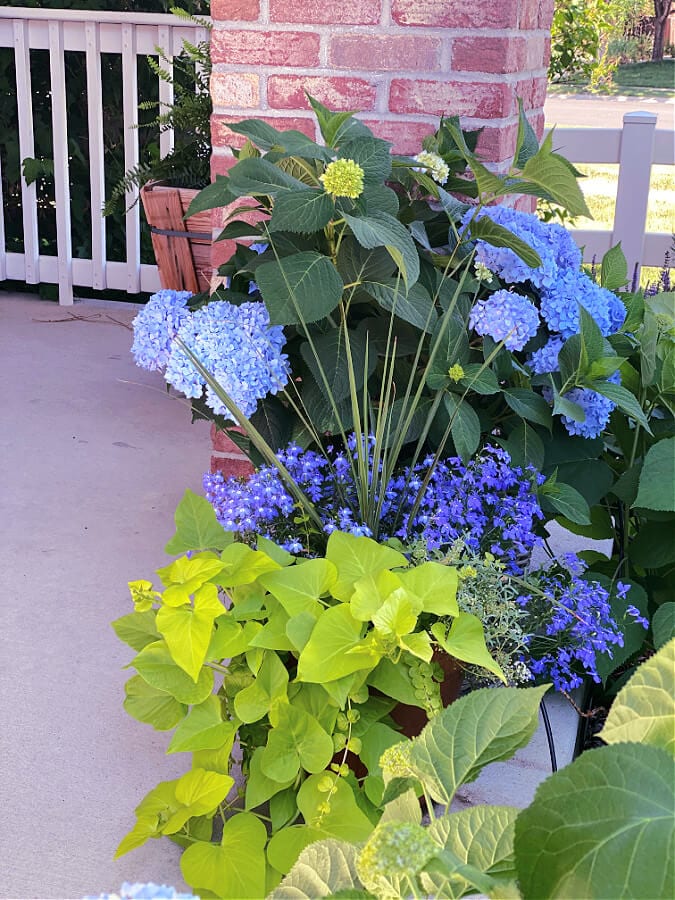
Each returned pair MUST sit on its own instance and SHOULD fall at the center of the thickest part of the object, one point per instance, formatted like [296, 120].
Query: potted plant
[167, 185]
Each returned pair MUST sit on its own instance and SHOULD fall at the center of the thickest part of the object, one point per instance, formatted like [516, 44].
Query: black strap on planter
[167, 232]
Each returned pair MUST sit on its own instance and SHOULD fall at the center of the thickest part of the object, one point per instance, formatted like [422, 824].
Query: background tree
[662, 9]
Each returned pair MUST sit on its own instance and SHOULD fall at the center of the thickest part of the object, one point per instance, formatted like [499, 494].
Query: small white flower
[439, 170]
[483, 273]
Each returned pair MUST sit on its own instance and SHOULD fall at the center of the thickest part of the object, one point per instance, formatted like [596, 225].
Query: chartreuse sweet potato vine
[288, 665]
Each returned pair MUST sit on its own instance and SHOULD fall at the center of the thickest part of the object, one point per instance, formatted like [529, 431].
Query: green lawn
[633, 78]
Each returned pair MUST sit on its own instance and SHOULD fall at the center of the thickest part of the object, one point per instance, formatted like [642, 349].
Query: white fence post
[64, 244]
[24, 102]
[96, 154]
[632, 195]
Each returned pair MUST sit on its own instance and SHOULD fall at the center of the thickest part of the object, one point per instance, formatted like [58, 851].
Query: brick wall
[402, 63]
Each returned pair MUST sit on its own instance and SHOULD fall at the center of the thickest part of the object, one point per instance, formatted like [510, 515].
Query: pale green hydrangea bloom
[343, 178]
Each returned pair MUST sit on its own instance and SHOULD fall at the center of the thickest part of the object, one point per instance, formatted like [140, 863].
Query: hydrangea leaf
[148, 704]
[301, 288]
[614, 269]
[529, 405]
[344, 819]
[210, 867]
[255, 177]
[464, 425]
[485, 726]
[555, 175]
[663, 624]
[335, 648]
[466, 641]
[481, 837]
[644, 709]
[379, 229]
[259, 787]
[156, 665]
[302, 211]
[203, 729]
[197, 527]
[269, 687]
[436, 587]
[330, 360]
[296, 740]
[355, 557]
[286, 845]
[372, 154]
[322, 869]
[567, 501]
[298, 588]
[602, 827]
[137, 629]
[213, 196]
[413, 303]
[657, 474]
[187, 629]
[485, 229]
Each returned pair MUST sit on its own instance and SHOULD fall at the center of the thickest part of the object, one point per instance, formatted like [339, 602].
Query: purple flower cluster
[236, 344]
[570, 623]
[489, 503]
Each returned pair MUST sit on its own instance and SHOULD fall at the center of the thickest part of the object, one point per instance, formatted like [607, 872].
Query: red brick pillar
[402, 63]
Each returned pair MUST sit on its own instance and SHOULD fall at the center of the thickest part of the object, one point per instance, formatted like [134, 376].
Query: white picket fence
[635, 147]
[94, 33]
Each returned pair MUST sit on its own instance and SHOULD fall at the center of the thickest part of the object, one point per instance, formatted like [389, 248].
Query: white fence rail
[635, 147]
[93, 33]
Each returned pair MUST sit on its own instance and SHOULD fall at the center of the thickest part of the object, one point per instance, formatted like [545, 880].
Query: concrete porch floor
[94, 459]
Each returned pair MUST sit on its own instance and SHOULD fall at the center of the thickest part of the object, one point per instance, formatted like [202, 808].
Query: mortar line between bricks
[376, 30]
[438, 75]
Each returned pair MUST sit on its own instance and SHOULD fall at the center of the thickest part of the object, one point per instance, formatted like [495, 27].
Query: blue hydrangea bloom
[567, 254]
[238, 347]
[156, 325]
[545, 359]
[145, 891]
[617, 312]
[507, 317]
[596, 407]
[560, 303]
[507, 264]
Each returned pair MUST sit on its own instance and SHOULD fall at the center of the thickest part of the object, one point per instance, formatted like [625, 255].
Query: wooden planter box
[182, 246]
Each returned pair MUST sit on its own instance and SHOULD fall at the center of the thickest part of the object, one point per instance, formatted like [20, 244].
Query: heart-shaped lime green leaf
[137, 629]
[187, 629]
[269, 687]
[203, 729]
[335, 648]
[156, 666]
[296, 740]
[299, 587]
[197, 527]
[436, 587]
[148, 704]
[466, 641]
[354, 557]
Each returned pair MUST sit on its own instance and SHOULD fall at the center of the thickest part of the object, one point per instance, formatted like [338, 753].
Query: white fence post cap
[639, 118]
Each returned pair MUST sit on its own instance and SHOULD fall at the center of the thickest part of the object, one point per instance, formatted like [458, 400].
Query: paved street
[586, 110]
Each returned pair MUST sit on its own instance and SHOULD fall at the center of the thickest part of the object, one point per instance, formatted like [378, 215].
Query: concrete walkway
[94, 458]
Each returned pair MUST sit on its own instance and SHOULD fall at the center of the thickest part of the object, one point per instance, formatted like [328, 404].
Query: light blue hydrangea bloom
[545, 359]
[145, 891]
[596, 407]
[155, 326]
[239, 347]
[560, 303]
[507, 317]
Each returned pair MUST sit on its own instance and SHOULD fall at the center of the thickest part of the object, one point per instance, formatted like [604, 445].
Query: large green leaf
[335, 648]
[601, 827]
[322, 869]
[372, 154]
[382, 230]
[202, 729]
[654, 545]
[413, 305]
[466, 641]
[299, 289]
[393, 680]
[148, 704]
[137, 629]
[298, 588]
[355, 557]
[344, 819]
[260, 788]
[567, 501]
[296, 740]
[187, 629]
[156, 666]
[435, 585]
[269, 687]
[657, 479]
[286, 845]
[302, 211]
[623, 399]
[213, 196]
[486, 726]
[464, 425]
[554, 174]
[198, 792]
[614, 270]
[644, 709]
[482, 837]
[663, 624]
[329, 359]
[254, 177]
[529, 405]
[233, 869]
[492, 233]
[197, 527]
